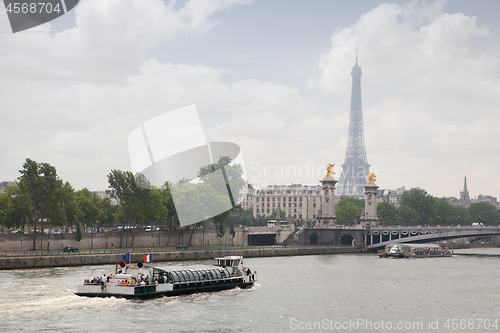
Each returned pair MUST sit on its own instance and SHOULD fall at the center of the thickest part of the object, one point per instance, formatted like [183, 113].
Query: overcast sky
[270, 76]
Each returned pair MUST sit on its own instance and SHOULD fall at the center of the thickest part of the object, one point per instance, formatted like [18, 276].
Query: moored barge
[141, 282]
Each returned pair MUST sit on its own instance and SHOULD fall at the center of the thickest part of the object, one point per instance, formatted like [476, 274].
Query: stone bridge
[376, 238]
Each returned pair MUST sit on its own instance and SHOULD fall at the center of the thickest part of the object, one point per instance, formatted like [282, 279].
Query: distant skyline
[270, 76]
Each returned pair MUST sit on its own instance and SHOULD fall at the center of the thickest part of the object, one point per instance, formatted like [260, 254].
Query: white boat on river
[147, 282]
[405, 250]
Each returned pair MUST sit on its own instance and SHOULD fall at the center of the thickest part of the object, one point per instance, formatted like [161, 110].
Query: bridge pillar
[370, 217]
[327, 213]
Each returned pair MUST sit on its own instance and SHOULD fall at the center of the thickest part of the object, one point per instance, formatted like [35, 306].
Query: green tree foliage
[386, 213]
[483, 212]
[4, 205]
[348, 210]
[140, 203]
[78, 232]
[218, 180]
[39, 185]
[418, 207]
[420, 201]
[446, 214]
[69, 205]
[407, 215]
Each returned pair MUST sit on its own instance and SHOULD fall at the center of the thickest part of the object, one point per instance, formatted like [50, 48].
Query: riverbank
[159, 256]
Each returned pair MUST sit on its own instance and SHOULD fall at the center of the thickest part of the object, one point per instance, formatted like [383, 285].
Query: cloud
[430, 101]
[109, 41]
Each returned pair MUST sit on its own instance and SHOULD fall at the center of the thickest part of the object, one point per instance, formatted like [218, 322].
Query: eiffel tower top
[356, 70]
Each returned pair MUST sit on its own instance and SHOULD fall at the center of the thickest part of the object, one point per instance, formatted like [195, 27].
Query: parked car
[182, 247]
[71, 249]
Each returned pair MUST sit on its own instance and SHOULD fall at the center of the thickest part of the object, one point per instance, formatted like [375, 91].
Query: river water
[336, 293]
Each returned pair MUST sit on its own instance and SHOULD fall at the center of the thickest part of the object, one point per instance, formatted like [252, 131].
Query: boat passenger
[125, 283]
[132, 282]
[117, 283]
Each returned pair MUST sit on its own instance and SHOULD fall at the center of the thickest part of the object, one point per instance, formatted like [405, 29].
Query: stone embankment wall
[111, 240]
[101, 259]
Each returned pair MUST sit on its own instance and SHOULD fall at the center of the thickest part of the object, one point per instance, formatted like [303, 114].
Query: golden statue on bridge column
[371, 178]
[329, 171]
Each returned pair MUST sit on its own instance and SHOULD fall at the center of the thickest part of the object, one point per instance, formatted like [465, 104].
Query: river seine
[336, 293]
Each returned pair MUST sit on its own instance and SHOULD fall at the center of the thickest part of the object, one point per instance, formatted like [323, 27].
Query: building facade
[3, 186]
[391, 196]
[299, 202]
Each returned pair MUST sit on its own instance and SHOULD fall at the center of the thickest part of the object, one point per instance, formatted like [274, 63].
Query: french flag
[148, 258]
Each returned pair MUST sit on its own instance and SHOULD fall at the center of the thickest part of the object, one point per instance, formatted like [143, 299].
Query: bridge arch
[313, 238]
[346, 239]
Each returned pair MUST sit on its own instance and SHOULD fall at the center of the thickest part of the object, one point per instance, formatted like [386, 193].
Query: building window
[273, 199]
[278, 205]
[300, 204]
[257, 211]
[267, 198]
[268, 211]
[290, 205]
[295, 199]
[257, 199]
[300, 199]
[289, 198]
[314, 216]
[314, 205]
[300, 216]
[314, 199]
[268, 205]
[295, 210]
[274, 204]
[295, 205]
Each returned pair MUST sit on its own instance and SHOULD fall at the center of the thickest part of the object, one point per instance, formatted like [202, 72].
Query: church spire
[464, 195]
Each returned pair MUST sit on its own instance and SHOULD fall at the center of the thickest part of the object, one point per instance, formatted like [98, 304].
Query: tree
[420, 201]
[119, 189]
[87, 203]
[69, 205]
[386, 213]
[39, 184]
[78, 232]
[4, 205]
[348, 210]
[483, 212]
[446, 213]
[407, 215]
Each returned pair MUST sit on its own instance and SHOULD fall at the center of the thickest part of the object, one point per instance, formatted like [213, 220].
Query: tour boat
[417, 251]
[140, 282]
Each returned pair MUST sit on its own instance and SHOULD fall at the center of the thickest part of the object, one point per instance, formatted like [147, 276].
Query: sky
[270, 76]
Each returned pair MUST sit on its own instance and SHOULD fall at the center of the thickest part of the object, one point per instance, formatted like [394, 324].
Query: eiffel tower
[355, 167]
